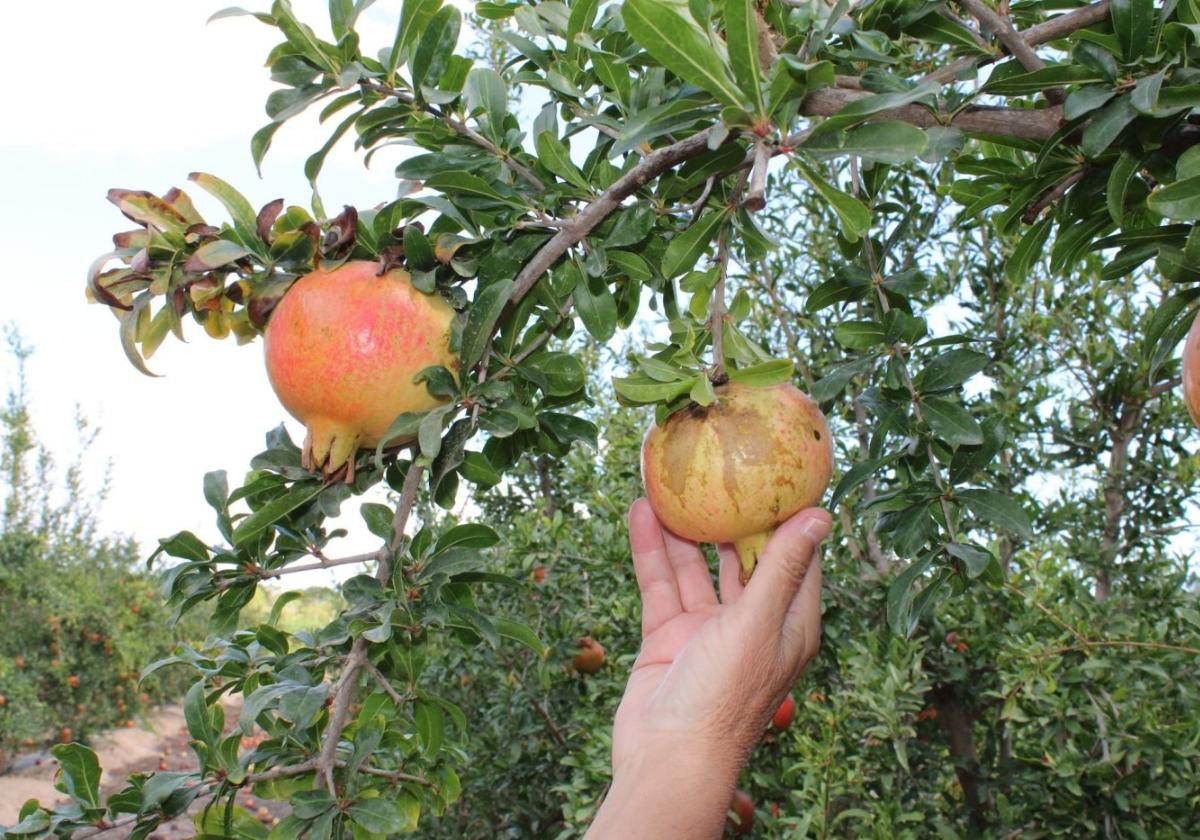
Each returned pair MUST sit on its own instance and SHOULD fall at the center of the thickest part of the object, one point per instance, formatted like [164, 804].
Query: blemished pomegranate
[1191, 371]
[590, 658]
[342, 349]
[732, 471]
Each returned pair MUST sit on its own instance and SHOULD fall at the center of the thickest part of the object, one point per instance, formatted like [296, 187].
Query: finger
[655, 576]
[782, 569]
[730, 574]
[692, 577]
[802, 625]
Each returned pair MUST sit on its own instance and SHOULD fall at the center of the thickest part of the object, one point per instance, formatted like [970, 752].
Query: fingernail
[816, 528]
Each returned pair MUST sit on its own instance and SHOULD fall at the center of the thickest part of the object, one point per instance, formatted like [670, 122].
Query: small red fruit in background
[96, 637]
[590, 658]
[742, 821]
[539, 574]
[135, 609]
[73, 681]
[775, 810]
[3, 701]
[64, 735]
[19, 661]
[928, 714]
[961, 647]
[785, 714]
[951, 637]
[129, 724]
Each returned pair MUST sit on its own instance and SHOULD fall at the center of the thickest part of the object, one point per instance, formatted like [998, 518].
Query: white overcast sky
[137, 94]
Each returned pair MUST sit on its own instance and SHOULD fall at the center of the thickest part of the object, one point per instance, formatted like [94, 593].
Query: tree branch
[1003, 29]
[463, 129]
[1042, 33]
[1053, 194]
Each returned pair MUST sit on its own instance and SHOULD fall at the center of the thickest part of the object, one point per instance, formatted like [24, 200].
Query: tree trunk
[956, 720]
[1114, 497]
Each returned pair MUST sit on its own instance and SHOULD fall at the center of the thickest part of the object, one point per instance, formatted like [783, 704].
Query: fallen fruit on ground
[590, 658]
[785, 714]
[1191, 371]
[342, 349]
[731, 472]
[742, 820]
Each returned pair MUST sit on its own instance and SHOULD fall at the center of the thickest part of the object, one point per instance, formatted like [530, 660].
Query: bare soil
[157, 742]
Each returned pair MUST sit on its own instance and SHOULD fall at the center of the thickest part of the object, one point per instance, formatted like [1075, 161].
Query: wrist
[669, 788]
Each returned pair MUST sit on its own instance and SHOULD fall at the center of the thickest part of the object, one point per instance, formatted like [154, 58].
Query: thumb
[783, 566]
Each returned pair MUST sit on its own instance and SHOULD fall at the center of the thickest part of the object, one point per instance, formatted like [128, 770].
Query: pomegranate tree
[343, 349]
[732, 471]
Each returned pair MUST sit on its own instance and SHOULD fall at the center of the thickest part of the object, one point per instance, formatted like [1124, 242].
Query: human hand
[710, 673]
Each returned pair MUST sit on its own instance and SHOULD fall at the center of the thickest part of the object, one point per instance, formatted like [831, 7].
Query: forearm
[665, 794]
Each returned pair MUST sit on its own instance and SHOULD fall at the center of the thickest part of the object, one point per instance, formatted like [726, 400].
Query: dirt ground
[158, 742]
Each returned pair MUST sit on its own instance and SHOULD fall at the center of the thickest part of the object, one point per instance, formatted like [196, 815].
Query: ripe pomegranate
[590, 658]
[342, 349]
[539, 574]
[743, 809]
[1191, 371]
[19, 661]
[732, 471]
[785, 714]
[3, 701]
[64, 735]
[73, 681]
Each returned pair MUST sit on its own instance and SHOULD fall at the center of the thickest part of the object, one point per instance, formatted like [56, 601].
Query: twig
[385, 684]
[1004, 30]
[1049, 30]
[756, 199]
[1053, 194]
[462, 129]
[536, 703]
[343, 689]
[716, 311]
[323, 563]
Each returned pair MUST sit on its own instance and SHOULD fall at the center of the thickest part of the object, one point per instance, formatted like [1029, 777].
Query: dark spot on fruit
[816, 435]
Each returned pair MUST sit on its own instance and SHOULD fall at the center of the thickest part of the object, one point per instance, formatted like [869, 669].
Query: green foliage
[80, 618]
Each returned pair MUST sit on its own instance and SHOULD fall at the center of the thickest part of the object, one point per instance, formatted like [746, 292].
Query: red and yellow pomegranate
[1191, 371]
[342, 349]
[734, 470]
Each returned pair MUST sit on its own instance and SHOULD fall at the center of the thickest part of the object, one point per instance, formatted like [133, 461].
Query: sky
[137, 94]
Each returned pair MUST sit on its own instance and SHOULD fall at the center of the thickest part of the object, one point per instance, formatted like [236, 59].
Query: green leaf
[949, 370]
[297, 495]
[430, 726]
[900, 597]
[889, 142]
[1107, 125]
[378, 815]
[558, 374]
[78, 773]
[998, 509]
[486, 92]
[403, 427]
[470, 535]
[477, 469]
[485, 311]
[1028, 250]
[436, 44]
[854, 216]
[283, 599]
[856, 475]
[429, 433]
[764, 374]
[741, 34]
[951, 422]
[414, 19]
[464, 183]
[682, 46]
[1180, 200]
[379, 519]
[639, 389]
[596, 305]
[858, 335]
[685, 250]
[555, 157]
[300, 36]
[1132, 20]
[214, 254]
[245, 220]
[518, 632]
[974, 558]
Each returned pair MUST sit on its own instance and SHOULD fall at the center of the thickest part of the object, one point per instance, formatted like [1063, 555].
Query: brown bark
[956, 720]
[1114, 496]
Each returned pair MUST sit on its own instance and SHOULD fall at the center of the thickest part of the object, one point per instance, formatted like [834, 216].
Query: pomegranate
[785, 714]
[342, 349]
[732, 471]
[590, 658]
[1191, 371]
[743, 808]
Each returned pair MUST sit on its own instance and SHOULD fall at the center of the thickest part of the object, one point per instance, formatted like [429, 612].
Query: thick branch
[1025, 123]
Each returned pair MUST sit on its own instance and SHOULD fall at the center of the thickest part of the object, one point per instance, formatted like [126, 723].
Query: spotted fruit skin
[342, 348]
[732, 471]
[1191, 371]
